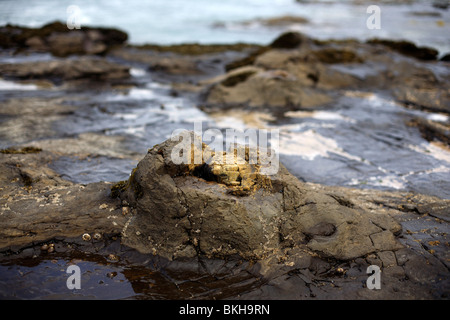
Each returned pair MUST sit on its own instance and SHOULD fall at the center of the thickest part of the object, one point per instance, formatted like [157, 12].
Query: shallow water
[126, 275]
[105, 168]
[365, 142]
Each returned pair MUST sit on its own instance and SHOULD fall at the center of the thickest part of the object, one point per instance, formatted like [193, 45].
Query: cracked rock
[199, 208]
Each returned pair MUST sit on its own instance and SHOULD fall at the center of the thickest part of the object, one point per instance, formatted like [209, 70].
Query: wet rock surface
[294, 66]
[86, 68]
[211, 230]
[282, 240]
[38, 205]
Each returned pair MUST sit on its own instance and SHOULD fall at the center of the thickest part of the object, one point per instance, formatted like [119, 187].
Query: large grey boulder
[213, 210]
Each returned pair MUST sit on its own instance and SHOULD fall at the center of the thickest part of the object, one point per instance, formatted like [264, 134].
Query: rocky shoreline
[281, 239]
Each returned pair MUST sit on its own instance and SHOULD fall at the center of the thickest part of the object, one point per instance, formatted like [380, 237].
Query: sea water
[218, 21]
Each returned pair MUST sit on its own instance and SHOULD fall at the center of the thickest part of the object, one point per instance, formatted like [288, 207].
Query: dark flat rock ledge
[38, 207]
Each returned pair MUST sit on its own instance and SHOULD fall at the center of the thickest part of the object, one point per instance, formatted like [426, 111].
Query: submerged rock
[225, 210]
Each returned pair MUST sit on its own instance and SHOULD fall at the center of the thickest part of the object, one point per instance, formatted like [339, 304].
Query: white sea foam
[10, 85]
[230, 122]
[126, 116]
[319, 115]
[135, 72]
[432, 150]
[439, 117]
[176, 112]
[388, 181]
[309, 145]
[134, 94]
[138, 131]
[157, 85]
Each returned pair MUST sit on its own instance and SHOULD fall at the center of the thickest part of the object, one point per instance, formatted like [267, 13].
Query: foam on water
[13, 86]
[438, 117]
[134, 94]
[136, 72]
[391, 181]
[177, 113]
[320, 115]
[309, 145]
[432, 150]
